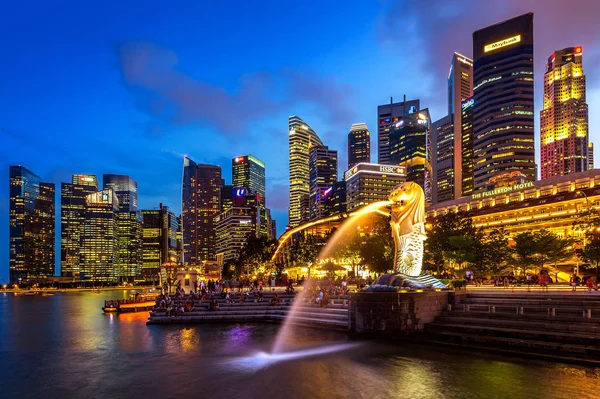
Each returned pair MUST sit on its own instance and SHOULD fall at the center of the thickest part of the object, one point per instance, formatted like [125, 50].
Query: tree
[255, 255]
[461, 249]
[540, 248]
[590, 253]
[350, 252]
[492, 252]
[451, 224]
[305, 250]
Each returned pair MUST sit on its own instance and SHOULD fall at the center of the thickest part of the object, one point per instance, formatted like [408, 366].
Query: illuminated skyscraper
[467, 146]
[301, 138]
[31, 221]
[367, 183]
[359, 145]
[564, 119]
[125, 188]
[590, 155]
[201, 193]
[460, 88]
[99, 238]
[323, 168]
[409, 148]
[503, 100]
[249, 172]
[73, 210]
[444, 170]
[387, 116]
[159, 240]
[234, 226]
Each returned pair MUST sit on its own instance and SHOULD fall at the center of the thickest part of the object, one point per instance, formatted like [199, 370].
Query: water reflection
[67, 347]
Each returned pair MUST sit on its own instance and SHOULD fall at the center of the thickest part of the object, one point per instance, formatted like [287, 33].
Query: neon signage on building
[501, 43]
[503, 190]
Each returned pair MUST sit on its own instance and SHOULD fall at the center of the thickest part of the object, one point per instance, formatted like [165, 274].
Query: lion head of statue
[408, 207]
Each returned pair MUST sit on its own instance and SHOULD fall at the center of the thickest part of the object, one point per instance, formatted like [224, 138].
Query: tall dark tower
[387, 116]
[200, 203]
[359, 145]
[503, 101]
[31, 221]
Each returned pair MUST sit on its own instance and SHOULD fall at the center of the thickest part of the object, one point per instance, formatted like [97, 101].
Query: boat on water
[138, 302]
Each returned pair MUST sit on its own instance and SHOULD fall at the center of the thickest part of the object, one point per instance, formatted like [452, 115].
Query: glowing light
[502, 43]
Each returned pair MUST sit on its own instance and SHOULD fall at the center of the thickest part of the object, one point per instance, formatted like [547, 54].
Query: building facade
[201, 194]
[503, 123]
[409, 147]
[467, 164]
[460, 89]
[387, 116]
[564, 118]
[323, 166]
[553, 204]
[359, 144]
[249, 172]
[159, 243]
[368, 183]
[301, 138]
[73, 210]
[590, 155]
[234, 226]
[444, 169]
[31, 226]
[126, 190]
[98, 241]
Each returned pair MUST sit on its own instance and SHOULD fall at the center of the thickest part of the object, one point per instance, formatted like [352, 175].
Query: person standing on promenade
[573, 282]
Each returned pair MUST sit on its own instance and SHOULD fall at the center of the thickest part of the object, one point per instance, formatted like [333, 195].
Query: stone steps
[308, 314]
[525, 317]
[548, 350]
[548, 324]
[518, 333]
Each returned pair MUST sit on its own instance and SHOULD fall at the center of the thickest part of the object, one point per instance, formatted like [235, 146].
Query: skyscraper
[503, 100]
[444, 171]
[467, 146]
[367, 183]
[234, 226]
[590, 155]
[409, 148]
[323, 167]
[31, 221]
[125, 188]
[249, 172]
[301, 138]
[564, 119]
[387, 116]
[73, 210]
[359, 145]
[99, 238]
[460, 88]
[201, 192]
[159, 240]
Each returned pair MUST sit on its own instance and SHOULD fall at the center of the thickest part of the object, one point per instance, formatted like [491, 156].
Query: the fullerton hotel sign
[503, 190]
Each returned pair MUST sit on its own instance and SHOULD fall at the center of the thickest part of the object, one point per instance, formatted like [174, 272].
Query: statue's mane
[413, 210]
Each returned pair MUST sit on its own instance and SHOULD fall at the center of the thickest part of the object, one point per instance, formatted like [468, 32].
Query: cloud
[329, 96]
[172, 97]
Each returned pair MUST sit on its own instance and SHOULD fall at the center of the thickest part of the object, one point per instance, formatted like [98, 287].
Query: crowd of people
[238, 291]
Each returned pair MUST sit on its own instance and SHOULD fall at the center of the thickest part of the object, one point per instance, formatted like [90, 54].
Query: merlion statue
[408, 227]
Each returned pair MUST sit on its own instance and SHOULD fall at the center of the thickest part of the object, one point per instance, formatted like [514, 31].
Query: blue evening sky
[130, 87]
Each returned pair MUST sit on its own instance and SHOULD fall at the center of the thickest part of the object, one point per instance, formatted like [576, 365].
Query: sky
[130, 87]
